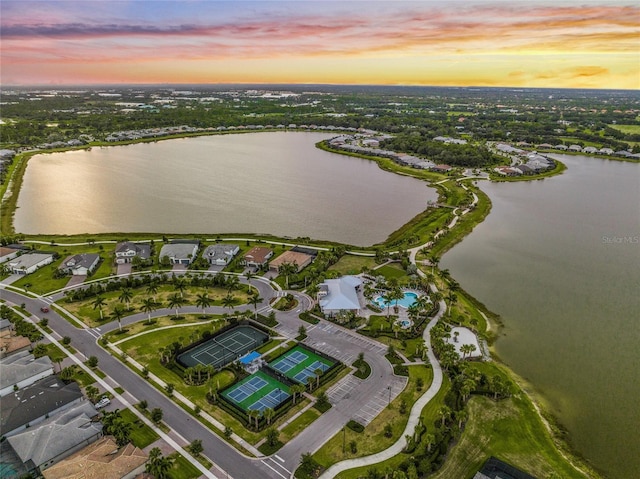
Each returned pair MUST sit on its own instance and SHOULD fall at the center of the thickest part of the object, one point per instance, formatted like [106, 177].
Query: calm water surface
[559, 260]
[276, 183]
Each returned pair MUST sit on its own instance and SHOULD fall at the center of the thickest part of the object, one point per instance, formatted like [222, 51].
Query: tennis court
[224, 348]
[259, 391]
[300, 364]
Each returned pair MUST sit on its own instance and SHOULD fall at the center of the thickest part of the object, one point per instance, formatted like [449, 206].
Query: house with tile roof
[126, 251]
[29, 262]
[220, 254]
[257, 257]
[100, 460]
[80, 264]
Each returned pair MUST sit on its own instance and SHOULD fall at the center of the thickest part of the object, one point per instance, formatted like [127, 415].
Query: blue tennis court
[271, 400]
[289, 362]
[310, 371]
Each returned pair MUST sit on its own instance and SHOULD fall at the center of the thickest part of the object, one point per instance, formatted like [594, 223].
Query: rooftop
[57, 434]
[35, 401]
[100, 460]
[21, 366]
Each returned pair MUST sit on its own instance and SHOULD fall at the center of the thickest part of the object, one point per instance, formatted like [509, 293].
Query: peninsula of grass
[376, 437]
[182, 468]
[299, 424]
[363, 370]
[557, 170]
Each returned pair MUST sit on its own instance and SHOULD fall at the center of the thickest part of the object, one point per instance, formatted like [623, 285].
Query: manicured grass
[144, 349]
[85, 310]
[299, 424]
[510, 430]
[164, 321]
[182, 468]
[373, 440]
[391, 270]
[363, 369]
[141, 434]
[629, 129]
[54, 352]
[350, 264]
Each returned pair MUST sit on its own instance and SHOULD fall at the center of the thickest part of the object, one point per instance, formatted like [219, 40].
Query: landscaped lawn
[351, 264]
[141, 434]
[299, 424]
[630, 129]
[391, 270]
[145, 349]
[183, 469]
[372, 439]
[91, 316]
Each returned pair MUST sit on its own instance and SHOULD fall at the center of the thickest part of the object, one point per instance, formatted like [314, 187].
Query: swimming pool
[408, 300]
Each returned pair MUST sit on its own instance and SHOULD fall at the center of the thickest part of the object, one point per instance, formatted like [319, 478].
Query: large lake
[276, 183]
[559, 260]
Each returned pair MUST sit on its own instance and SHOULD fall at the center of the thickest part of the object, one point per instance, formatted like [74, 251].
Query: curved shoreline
[447, 243]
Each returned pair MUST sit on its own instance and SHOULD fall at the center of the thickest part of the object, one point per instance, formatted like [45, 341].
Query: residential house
[57, 437]
[590, 150]
[220, 254]
[606, 151]
[33, 404]
[29, 262]
[180, 253]
[257, 257]
[576, 148]
[7, 253]
[299, 259]
[126, 251]
[561, 147]
[21, 370]
[80, 264]
[339, 295]
[102, 459]
[11, 343]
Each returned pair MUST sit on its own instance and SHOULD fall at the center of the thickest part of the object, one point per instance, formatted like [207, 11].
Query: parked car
[104, 401]
[44, 309]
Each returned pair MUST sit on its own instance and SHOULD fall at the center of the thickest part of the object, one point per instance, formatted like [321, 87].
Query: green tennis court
[300, 364]
[224, 348]
[259, 391]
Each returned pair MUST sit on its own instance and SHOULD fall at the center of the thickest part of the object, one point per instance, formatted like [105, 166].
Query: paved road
[83, 340]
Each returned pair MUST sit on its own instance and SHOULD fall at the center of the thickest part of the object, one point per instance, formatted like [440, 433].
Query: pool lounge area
[409, 298]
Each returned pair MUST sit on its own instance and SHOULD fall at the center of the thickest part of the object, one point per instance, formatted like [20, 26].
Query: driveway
[76, 279]
[12, 278]
[124, 268]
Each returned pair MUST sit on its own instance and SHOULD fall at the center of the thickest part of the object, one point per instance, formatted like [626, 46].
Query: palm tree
[148, 306]
[152, 289]
[444, 412]
[461, 416]
[268, 414]
[180, 285]
[117, 315]
[287, 269]
[318, 372]
[175, 301]
[228, 301]
[253, 414]
[429, 439]
[386, 297]
[249, 276]
[232, 283]
[203, 301]
[255, 300]
[99, 302]
[158, 465]
[125, 296]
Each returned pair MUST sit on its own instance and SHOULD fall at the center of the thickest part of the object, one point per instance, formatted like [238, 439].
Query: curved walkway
[414, 415]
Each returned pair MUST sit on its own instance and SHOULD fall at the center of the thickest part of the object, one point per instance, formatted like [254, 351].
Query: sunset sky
[574, 44]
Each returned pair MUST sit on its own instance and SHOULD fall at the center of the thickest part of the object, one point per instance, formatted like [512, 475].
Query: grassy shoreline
[414, 233]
